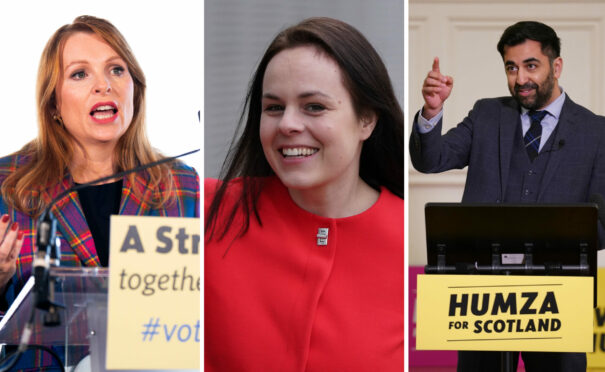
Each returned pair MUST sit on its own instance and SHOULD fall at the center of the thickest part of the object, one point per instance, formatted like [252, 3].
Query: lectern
[82, 330]
[529, 239]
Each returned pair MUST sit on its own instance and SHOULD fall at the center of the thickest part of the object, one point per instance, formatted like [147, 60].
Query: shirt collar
[555, 107]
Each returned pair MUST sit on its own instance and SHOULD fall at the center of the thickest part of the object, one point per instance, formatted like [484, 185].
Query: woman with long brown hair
[91, 119]
[304, 230]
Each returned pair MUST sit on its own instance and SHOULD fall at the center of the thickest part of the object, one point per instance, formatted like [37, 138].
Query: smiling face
[532, 79]
[94, 92]
[309, 131]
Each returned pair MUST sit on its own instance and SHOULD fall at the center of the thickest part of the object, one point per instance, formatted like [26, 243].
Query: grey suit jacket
[484, 140]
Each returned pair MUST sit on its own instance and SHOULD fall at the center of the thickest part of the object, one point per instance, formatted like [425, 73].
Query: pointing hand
[435, 90]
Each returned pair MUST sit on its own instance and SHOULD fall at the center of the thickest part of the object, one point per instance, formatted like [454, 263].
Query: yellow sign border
[154, 293]
[567, 301]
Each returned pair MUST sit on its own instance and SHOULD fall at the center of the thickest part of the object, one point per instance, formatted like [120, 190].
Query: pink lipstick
[104, 112]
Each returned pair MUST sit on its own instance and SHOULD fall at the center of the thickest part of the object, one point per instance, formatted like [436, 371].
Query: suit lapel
[72, 222]
[563, 131]
[130, 204]
[509, 114]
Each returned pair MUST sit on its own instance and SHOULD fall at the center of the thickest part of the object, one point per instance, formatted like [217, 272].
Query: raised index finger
[436, 64]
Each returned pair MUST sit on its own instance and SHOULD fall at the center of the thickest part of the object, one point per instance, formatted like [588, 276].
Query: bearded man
[536, 146]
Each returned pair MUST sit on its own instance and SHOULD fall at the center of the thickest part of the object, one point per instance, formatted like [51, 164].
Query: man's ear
[557, 66]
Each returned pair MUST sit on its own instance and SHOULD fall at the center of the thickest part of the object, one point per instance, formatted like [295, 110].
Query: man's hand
[435, 90]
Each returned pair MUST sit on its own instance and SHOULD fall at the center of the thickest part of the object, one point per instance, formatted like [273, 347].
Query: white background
[166, 38]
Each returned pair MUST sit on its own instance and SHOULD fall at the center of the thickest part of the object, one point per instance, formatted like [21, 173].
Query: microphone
[47, 243]
[600, 202]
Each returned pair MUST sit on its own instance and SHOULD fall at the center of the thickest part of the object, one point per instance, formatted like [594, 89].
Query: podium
[512, 239]
[82, 331]
[544, 248]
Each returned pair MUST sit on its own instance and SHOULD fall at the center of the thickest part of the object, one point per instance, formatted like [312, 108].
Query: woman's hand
[11, 240]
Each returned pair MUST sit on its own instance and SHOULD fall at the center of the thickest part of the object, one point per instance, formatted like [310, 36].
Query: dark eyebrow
[313, 93]
[532, 59]
[529, 60]
[302, 95]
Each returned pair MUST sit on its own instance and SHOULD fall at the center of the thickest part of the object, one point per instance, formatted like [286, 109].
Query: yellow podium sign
[504, 313]
[154, 293]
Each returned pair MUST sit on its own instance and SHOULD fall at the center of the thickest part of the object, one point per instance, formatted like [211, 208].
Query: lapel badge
[322, 236]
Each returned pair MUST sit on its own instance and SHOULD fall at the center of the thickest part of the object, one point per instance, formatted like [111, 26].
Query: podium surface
[75, 288]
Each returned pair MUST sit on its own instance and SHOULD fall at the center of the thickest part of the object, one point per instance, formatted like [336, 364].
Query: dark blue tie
[532, 137]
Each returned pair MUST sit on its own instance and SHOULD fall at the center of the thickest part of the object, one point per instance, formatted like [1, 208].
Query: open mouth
[103, 111]
[298, 152]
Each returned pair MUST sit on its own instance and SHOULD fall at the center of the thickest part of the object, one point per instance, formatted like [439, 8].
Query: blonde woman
[91, 119]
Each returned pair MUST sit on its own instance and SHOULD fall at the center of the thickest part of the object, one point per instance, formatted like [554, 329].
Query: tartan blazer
[77, 244]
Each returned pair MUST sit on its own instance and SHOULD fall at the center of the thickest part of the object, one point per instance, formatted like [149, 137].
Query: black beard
[543, 93]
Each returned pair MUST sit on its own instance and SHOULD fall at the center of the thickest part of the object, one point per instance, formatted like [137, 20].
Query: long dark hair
[368, 83]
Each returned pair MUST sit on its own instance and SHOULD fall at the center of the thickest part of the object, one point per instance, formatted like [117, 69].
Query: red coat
[278, 301]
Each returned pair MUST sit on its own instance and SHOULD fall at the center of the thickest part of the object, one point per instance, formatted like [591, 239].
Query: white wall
[166, 38]
[464, 35]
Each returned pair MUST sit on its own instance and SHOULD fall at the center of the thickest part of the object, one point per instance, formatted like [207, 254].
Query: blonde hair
[50, 154]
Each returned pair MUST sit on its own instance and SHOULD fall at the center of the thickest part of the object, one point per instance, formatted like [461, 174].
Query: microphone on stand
[48, 247]
[48, 253]
[600, 202]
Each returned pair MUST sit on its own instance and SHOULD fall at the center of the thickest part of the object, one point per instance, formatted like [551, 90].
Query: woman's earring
[58, 119]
